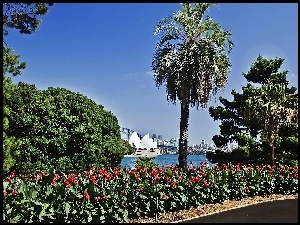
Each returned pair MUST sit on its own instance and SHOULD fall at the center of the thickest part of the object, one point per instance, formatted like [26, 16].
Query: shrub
[117, 195]
[62, 130]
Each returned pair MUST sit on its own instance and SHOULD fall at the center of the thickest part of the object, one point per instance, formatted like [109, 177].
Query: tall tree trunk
[183, 145]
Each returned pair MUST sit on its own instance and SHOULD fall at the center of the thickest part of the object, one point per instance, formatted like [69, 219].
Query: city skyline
[157, 137]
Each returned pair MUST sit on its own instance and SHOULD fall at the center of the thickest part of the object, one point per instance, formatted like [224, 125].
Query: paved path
[279, 211]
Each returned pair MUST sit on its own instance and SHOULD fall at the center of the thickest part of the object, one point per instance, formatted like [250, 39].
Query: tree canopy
[62, 130]
[262, 119]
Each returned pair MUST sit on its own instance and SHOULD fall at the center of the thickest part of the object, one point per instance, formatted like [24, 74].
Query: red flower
[296, 176]
[191, 169]
[241, 179]
[164, 196]
[167, 179]
[205, 184]
[123, 202]
[173, 184]
[67, 184]
[247, 188]
[39, 176]
[122, 192]
[4, 193]
[55, 178]
[12, 174]
[86, 195]
[104, 198]
[197, 179]
[72, 178]
[93, 179]
[14, 192]
[140, 188]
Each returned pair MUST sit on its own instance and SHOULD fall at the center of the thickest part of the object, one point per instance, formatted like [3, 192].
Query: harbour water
[166, 160]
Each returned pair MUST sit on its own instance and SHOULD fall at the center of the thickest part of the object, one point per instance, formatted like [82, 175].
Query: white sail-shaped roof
[148, 142]
[134, 139]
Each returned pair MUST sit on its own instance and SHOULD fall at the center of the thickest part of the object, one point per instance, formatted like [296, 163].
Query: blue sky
[104, 51]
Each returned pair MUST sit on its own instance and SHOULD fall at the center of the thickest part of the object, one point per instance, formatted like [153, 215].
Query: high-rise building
[159, 137]
[154, 136]
[202, 142]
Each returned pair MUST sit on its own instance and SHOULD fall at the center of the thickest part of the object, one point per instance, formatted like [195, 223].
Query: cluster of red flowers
[55, 179]
[168, 176]
[71, 179]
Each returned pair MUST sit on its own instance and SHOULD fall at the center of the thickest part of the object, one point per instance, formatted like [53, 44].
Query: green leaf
[102, 218]
[67, 208]
[169, 172]
[5, 184]
[90, 218]
[33, 193]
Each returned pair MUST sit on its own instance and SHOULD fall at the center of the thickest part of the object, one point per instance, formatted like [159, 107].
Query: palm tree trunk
[183, 145]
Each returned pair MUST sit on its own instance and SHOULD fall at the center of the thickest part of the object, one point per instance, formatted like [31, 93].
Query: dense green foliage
[116, 195]
[10, 144]
[24, 18]
[62, 130]
[273, 110]
[146, 162]
[191, 61]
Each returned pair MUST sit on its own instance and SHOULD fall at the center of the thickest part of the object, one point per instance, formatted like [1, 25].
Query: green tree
[62, 130]
[24, 18]
[271, 102]
[250, 118]
[191, 61]
[10, 143]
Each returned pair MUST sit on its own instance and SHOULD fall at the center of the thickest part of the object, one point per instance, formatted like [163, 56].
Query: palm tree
[191, 61]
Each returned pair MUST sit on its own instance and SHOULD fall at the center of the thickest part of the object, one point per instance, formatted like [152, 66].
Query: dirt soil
[207, 209]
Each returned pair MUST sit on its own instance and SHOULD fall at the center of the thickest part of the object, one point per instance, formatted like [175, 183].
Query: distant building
[202, 143]
[159, 137]
[154, 136]
[146, 141]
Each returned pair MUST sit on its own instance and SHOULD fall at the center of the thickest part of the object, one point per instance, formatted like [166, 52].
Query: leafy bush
[62, 130]
[117, 195]
[146, 162]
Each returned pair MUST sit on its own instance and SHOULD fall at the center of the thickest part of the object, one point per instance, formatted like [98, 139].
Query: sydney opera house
[145, 147]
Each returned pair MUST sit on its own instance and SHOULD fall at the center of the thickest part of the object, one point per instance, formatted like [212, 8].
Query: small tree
[271, 106]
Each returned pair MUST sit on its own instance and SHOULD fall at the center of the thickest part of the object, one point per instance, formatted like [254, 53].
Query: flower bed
[118, 195]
